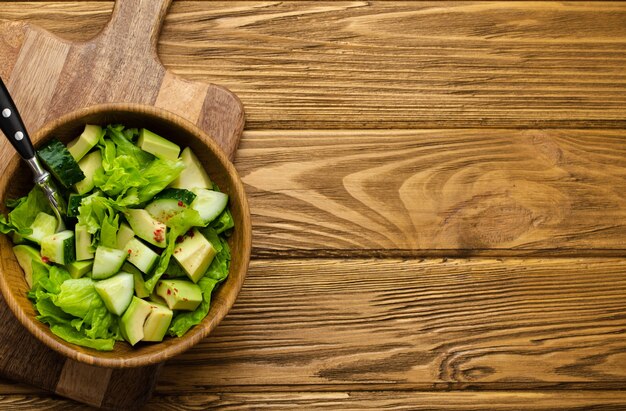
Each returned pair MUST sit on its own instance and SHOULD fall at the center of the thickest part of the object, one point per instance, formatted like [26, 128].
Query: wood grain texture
[447, 192]
[410, 401]
[421, 324]
[392, 64]
[48, 77]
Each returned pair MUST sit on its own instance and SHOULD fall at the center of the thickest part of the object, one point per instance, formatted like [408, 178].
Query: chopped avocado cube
[157, 145]
[194, 254]
[193, 176]
[124, 234]
[179, 294]
[25, 256]
[79, 268]
[89, 165]
[140, 255]
[80, 146]
[140, 285]
[131, 323]
[83, 243]
[43, 226]
[85, 142]
[58, 248]
[146, 227]
[157, 323]
[108, 262]
[116, 292]
[209, 204]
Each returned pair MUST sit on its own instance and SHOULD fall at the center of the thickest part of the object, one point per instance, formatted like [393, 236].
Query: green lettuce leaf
[69, 334]
[125, 147]
[160, 173]
[24, 213]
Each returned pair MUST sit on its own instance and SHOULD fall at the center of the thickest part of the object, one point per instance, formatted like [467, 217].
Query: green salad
[145, 245]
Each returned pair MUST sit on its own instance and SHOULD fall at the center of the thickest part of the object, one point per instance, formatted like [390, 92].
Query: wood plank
[426, 324]
[435, 192]
[466, 401]
[391, 64]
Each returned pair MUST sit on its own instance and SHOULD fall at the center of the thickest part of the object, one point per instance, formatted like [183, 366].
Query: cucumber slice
[194, 254]
[116, 292]
[157, 145]
[89, 165]
[73, 203]
[140, 285]
[83, 243]
[178, 194]
[169, 202]
[157, 323]
[108, 262]
[43, 226]
[209, 204]
[146, 227]
[79, 268]
[140, 255]
[124, 235]
[61, 164]
[85, 142]
[131, 323]
[193, 176]
[58, 248]
[25, 256]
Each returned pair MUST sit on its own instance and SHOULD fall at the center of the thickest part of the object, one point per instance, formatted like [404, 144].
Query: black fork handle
[12, 125]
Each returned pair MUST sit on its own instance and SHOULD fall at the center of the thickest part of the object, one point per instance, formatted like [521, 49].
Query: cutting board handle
[136, 24]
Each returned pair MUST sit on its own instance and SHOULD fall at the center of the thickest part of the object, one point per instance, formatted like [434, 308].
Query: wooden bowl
[17, 181]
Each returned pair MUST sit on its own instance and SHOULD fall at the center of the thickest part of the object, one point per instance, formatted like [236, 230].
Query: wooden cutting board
[48, 77]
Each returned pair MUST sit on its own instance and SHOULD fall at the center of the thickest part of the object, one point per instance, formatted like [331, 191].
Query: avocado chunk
[83, 243]
[193, 176]
[157, 145]
[131, 323]
[108, 262]
[89, 165]
[146, 227]
[124, 234]
[116, 292]
[179, 294]
[85, 142]
[194, 254]
[79, 268]
[25, 256]
[158, 322]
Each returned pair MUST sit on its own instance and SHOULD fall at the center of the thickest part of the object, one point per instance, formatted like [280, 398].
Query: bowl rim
[186, 342]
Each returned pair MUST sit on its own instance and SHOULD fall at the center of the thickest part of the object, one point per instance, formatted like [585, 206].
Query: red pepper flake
[181, 204]
[169, 292]
[190, 233]
[179, 239]
[175, 289]
[185, 299]
[158, 235]
[130, 251]
[45, 259]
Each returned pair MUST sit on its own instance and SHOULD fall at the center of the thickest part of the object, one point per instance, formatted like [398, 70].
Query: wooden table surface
[438, 193]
